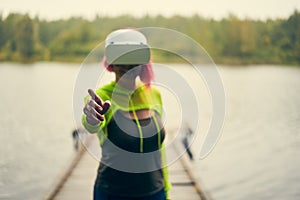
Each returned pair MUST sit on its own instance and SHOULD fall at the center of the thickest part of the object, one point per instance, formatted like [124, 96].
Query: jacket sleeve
[90, 128]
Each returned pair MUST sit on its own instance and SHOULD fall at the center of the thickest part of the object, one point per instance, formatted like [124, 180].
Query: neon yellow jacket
[123, 99]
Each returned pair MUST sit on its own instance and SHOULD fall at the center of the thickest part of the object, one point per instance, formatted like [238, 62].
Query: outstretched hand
[95, 108]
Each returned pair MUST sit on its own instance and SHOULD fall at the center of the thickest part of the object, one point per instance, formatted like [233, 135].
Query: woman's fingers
[90, 118]
[95, 97]
[95, 108]
[92, 103]
[105, 107]
[92, 112]
[97, 103]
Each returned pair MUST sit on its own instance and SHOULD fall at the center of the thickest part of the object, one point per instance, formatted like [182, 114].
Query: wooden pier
[77, 182]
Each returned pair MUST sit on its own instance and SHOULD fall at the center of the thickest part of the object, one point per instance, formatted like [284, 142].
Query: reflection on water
[257, 157]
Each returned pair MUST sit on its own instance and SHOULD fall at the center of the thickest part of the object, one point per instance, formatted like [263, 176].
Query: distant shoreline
[230, 62]
[169, 63]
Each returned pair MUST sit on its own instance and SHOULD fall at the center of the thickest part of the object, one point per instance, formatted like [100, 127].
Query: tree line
[228, 41]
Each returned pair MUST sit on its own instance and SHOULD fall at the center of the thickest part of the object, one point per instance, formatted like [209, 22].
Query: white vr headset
[127, 47]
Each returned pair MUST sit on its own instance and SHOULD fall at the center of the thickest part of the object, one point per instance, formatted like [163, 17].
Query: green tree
[292, 36]
[25, 38]
[2, 38]
[232, 36]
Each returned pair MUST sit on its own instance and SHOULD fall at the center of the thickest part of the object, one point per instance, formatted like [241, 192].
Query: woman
[126, 115]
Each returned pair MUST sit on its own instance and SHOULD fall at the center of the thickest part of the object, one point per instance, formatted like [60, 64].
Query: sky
[217, 9]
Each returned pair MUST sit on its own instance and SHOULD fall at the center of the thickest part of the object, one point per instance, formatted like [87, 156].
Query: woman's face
[129, 71]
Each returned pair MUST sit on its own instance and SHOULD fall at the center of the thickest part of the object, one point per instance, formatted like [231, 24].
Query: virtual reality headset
[127, 54]
[127, 47]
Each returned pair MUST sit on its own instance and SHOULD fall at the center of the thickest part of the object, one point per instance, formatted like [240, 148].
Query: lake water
[257, 156]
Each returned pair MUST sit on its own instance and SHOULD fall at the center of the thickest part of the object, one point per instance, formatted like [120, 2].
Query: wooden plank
[80, 181]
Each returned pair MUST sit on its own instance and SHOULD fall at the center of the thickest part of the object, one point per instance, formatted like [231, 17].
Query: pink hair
[106, 65]
[146, 75]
